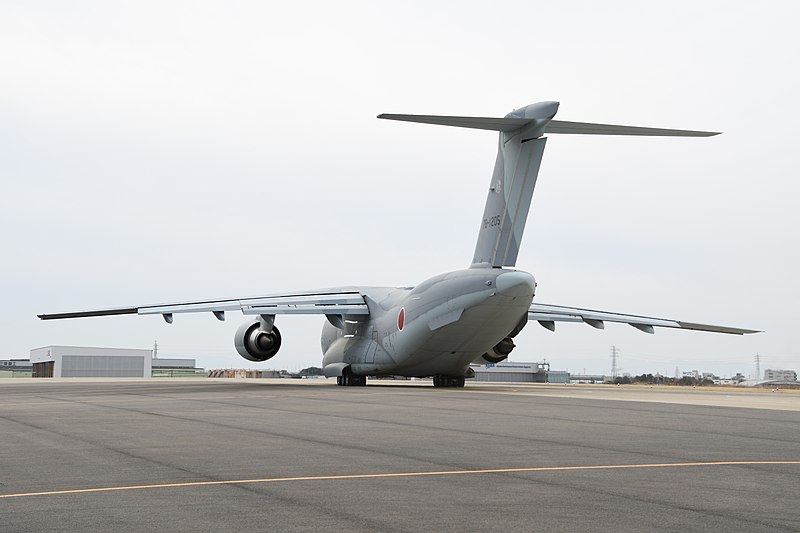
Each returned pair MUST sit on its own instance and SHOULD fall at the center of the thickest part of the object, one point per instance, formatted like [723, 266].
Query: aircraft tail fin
[511, 190]
[519, 157]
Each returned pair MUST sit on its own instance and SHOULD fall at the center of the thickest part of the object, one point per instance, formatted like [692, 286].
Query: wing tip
[86, 314]
[718, 329]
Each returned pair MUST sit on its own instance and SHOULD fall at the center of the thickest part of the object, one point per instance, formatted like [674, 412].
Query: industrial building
[13, 368]
[519, 373]
[15, 364]
[163, 363]
[90, 362]
[172, 367]
[780, 375]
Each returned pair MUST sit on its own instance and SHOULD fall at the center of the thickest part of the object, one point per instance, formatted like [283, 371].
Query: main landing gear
[348, 379]
[448, 381]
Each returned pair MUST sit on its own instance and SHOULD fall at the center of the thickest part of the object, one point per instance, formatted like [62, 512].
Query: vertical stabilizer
[519, 156]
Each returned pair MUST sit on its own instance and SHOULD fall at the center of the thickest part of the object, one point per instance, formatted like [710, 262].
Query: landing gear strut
[348, 379]
[448, 381]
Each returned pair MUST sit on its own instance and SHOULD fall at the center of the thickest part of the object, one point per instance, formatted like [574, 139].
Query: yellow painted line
[394, 474]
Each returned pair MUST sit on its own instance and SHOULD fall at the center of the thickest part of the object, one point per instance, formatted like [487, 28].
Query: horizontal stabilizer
[588, 128]
[553, 126]
[480, 123]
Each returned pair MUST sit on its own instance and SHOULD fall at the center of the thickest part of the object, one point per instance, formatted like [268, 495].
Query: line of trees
[658, 379]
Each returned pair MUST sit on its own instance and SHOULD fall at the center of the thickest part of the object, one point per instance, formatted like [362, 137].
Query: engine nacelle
[255, 344]
[500, 351]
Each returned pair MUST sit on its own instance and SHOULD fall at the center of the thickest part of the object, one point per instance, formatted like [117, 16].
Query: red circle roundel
[401, 318]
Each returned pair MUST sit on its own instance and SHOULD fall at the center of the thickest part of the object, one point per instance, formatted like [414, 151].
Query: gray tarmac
[321, 457]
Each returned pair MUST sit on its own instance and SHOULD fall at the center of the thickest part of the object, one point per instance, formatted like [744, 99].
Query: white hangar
[90, 362]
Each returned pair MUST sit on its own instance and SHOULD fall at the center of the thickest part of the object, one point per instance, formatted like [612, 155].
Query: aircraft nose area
[515, 284]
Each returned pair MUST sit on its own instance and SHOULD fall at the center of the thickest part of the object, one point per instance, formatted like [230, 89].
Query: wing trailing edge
[332, 302]
[547, 315]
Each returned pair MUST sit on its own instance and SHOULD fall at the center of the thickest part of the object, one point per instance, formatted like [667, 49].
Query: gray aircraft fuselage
[437, 328]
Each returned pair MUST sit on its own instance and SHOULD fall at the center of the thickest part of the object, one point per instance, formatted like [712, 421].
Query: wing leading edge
[344, 302]
[547, 315]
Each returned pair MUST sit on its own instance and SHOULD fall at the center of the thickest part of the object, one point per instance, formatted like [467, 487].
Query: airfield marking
[396, 474]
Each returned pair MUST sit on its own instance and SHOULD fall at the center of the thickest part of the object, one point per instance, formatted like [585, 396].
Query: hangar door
[508, 376]
[43, 370]
[102, 366]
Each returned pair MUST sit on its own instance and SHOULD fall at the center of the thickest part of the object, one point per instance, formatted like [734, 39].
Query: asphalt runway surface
[289, 455]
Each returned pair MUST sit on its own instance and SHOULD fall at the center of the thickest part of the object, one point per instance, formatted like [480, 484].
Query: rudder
[519, 156]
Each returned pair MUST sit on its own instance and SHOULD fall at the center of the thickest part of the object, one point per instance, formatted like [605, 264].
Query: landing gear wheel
[348, 379]
[448, 381]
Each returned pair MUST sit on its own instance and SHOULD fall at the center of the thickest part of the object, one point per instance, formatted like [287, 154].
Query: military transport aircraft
[451, 320]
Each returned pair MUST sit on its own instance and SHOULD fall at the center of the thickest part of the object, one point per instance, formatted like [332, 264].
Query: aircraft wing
[326, 302]
[547, 315]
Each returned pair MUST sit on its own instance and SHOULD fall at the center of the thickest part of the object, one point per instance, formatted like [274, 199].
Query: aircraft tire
[348, 379]
[448, 381]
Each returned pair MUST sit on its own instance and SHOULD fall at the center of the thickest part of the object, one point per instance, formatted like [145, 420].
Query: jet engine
[255, 344]
[499, 352]
[504, 347]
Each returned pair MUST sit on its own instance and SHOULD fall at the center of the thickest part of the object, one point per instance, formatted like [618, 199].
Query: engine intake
[255, 344]
[500, 351]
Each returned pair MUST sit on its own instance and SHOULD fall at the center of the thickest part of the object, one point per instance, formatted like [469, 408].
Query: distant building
[509, 371]
[15, 364]
[249, 373]
[172, 367]
[727, 381]
[588, 378]
[558, 376]
[90, 362]
[780, 375]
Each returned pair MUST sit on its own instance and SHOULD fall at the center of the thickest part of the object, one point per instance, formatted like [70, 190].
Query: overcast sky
[161, 151]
